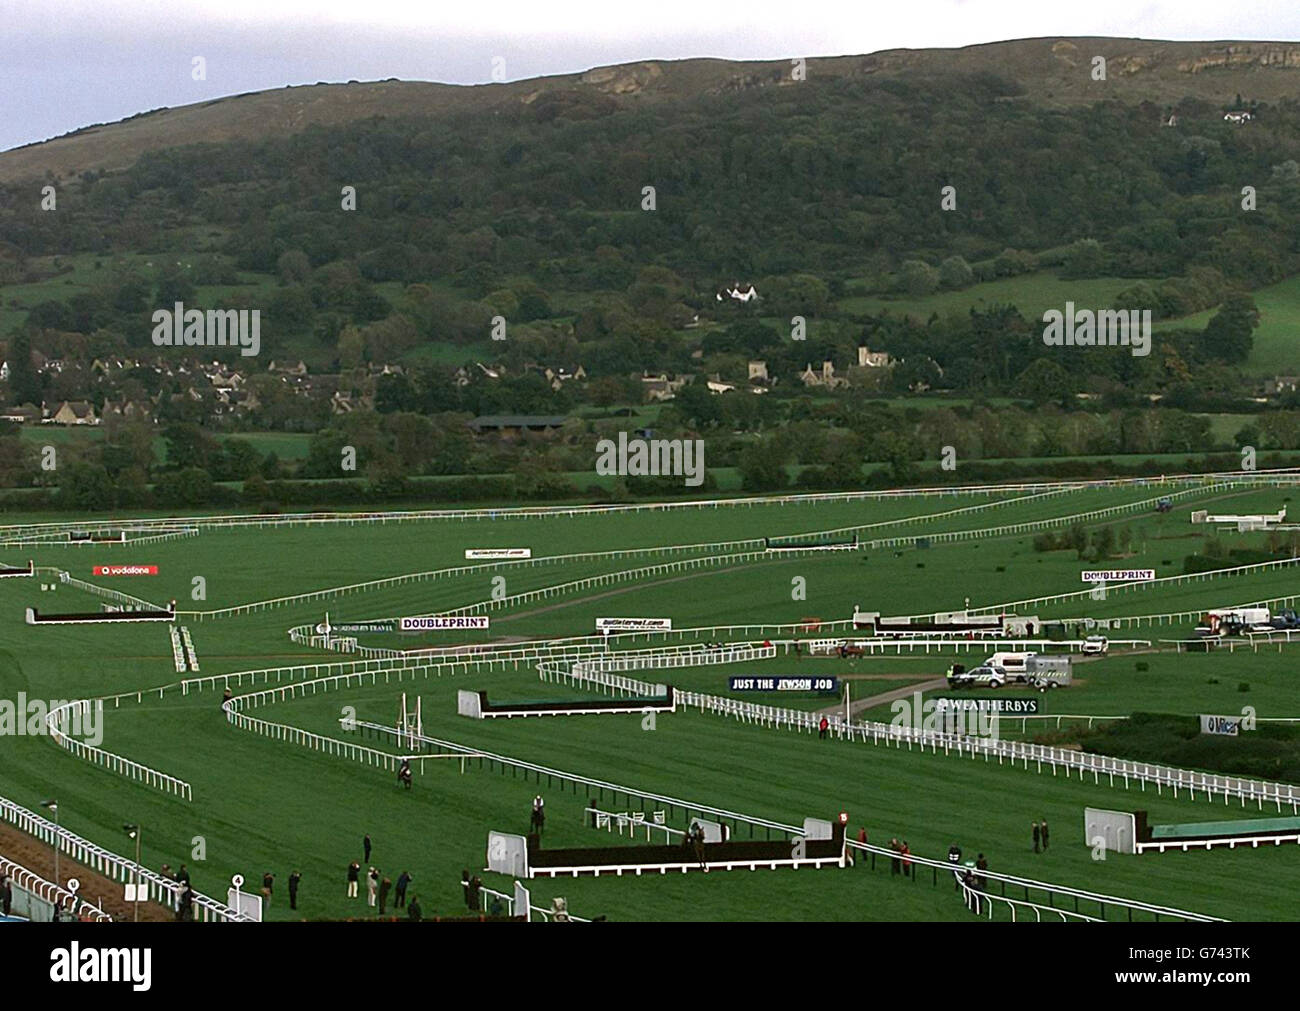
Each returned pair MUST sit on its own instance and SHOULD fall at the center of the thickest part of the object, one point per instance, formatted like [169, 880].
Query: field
[263, 802]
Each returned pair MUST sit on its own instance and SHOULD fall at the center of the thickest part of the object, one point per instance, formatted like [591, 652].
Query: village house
[758, 372]
[128, 409]
[869, 359]
[826, 378]
[1281, 385]
[738, 292]
[557, 377]
[660, 387]
[345, 402]
[73, 412]
[298, 368]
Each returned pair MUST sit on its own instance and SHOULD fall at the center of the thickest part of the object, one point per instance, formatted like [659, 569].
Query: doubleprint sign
[1118, 575]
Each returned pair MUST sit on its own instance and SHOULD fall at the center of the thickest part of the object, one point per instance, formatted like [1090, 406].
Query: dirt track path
[857, 706]
[38, 857]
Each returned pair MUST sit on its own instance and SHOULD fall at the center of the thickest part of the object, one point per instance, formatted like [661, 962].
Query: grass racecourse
[266, 804]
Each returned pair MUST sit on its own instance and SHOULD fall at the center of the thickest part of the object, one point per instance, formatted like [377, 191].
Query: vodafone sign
[126, 570]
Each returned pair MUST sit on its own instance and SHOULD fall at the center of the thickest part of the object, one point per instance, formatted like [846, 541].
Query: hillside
[1046, 71]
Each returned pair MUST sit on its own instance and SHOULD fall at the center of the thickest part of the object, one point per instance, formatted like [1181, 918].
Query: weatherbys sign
[1226, 726]
[498, 552]
[1001, 705]
[634, 624]
[1118, 575]
[126, 570]
[439, 622]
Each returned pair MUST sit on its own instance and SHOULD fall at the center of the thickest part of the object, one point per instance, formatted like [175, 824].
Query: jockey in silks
[404, 773]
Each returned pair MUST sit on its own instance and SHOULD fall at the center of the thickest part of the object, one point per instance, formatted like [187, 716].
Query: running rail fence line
[1189, 577]
[1277, 477]
[158, 888]
[587, 672]
[48, 891]
[17, 530]
[70, 713]
[750, 549]
[114, 595]
[737, 557]
[1210, 786]
[553, 776]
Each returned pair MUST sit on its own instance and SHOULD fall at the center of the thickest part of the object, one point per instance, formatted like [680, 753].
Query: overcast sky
[69, 63]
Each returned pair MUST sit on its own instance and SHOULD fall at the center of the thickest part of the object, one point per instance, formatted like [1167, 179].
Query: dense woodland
[815, 193]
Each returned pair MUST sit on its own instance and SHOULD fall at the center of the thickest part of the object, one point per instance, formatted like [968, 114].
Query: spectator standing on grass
[895, 862]
[384, 887]
[294, 878]
[907, 859]
[475, 887]
[268, 886]
[414, 912]
[1034, 825]
[822, 727]
[183, 875]
[1044, 834]
[372, 883]
[6, 895]
[366, 845]
[464, 887]
[354, 875]
[399, 898]
[981, 865]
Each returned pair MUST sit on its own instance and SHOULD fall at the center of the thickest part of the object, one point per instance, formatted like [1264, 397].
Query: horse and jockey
[538, 819]
[404, 773]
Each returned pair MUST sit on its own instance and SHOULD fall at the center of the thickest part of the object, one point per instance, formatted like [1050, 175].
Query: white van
[1015, 664]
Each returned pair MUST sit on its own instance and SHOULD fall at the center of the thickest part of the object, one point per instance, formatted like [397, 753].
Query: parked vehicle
[1232, 621]
[985, 675]
[1286, 619]
[1095, 645]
